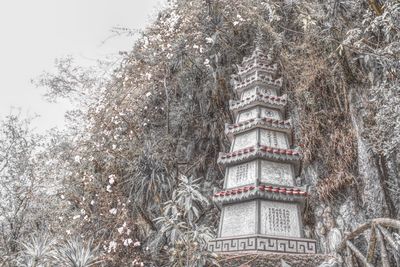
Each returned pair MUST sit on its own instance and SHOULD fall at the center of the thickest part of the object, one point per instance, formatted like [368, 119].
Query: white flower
[68, 232]
[62, 197]
[195, 46]
[92, 202]
[109, 188]
[120, 229]
[83, 211]
[127, 242]
[148, 94]
[235, 23]
[112, 246]
[209, 40]
[207, 62]
[136, 244]
[76, 217]
[77, 159]
[113, 211]
[111, 179]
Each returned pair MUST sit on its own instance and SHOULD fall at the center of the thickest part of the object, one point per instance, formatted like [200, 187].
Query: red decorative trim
[262, 188]
[268, 149]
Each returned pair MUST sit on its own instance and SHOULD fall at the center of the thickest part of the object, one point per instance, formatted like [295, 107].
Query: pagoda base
[263, 243]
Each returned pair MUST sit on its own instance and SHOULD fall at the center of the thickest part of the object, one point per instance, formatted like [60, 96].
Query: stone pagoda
[260, 202]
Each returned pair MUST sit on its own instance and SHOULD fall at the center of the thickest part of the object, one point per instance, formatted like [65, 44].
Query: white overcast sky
[36, 32]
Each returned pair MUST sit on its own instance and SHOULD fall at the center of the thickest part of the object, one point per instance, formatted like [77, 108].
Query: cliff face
[162, 116]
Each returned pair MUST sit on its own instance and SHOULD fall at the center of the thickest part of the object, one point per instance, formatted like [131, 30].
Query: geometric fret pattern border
[263, 243]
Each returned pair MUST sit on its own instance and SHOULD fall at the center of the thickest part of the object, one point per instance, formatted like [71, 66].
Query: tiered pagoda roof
[274, 102]
[284, 126]
[260, 152]
[263, 191]
[257, 70]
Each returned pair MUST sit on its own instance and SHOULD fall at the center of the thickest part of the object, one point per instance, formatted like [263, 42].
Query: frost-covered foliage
[137, 168]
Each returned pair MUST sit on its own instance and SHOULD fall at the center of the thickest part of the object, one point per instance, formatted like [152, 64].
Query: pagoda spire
[258, 41]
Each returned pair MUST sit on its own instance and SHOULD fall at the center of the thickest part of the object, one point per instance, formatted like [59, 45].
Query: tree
[19, 182]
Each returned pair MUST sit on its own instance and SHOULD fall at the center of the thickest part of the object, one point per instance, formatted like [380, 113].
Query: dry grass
[318, 90]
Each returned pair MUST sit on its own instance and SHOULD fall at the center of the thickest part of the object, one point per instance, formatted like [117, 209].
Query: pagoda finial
[259, 39]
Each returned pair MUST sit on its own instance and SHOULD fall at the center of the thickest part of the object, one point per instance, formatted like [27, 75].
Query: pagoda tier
[272, 102]
[258, 61]
[257, 70]
[258, 65]
[260, 201]
[245, 155]
[268, 192]
[258, 79]
[283, 126]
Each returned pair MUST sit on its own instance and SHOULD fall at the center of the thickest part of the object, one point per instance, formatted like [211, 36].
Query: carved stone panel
[274, 139]
[277, 173]
[245, 140]
[248, 93]
[247, 115]
[279, 219]
[270, 113]
[242, 174]
[239, 219]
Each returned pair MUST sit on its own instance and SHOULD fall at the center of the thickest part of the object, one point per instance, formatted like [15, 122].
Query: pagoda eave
[270, 69]
[274, 84]
[236, 107]
[260, 192]
[257, 55]
[261, 152]
[263, 123]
